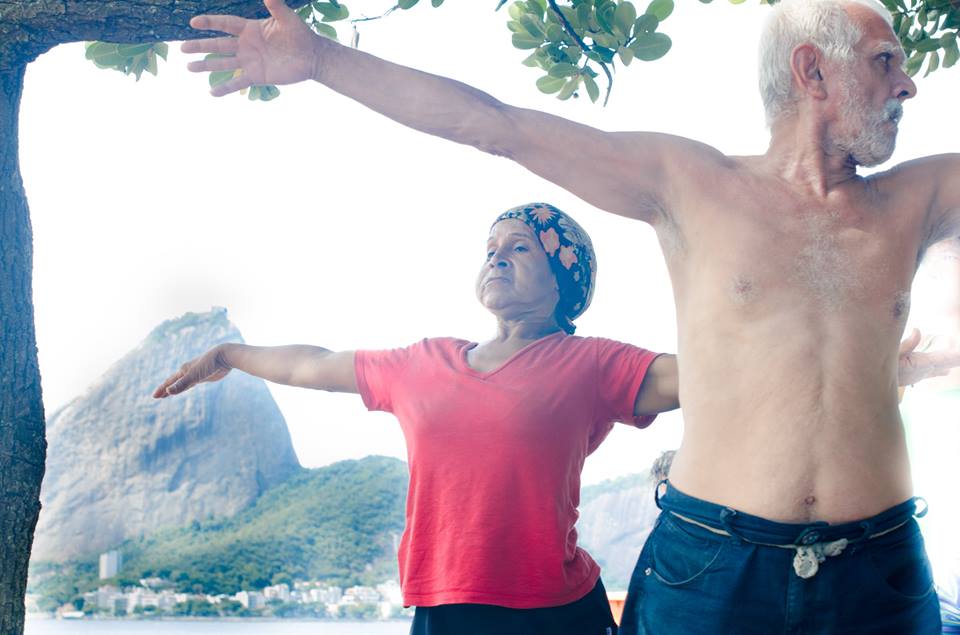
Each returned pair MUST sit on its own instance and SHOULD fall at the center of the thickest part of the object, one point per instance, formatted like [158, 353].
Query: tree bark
[28, 29]
[22, 444]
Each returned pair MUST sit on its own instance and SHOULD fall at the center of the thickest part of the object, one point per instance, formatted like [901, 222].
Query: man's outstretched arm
[630, 174]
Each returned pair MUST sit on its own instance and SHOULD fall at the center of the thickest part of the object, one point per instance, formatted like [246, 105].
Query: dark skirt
[590, 615]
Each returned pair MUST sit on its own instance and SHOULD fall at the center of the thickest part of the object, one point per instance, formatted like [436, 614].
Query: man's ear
[805, 63]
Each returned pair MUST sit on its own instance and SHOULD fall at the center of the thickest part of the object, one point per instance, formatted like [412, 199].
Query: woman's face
[516, 279]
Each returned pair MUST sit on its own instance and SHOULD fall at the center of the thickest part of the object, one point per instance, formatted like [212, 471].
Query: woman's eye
[522, 248]
[489, 255]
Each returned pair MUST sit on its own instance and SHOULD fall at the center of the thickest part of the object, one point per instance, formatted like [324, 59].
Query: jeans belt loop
[656, 493]
[725, 515]
[922, 512]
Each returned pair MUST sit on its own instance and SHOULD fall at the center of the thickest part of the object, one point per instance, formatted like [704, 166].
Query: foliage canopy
[569, 40]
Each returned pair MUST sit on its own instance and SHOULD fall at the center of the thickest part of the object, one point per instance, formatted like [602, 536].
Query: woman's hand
[211, 366]
[917, 365]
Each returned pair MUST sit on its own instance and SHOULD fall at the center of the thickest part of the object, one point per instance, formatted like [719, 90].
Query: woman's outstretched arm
[297, 365]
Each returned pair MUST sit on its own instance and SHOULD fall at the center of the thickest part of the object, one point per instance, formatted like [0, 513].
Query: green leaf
[646, 23]
[951, 54]
[569, 88]
[161, 48]
[331, 12]
[625, 16]
[524, 41]
[661, 8]
[130, 50]
[436, 3]
[549, 85]
[516, 10]
[934, 63]
[593, 91]
[914, 63]
[532, 60]
[325, 30]
[651, 46]
[626, 55]
[563, 70]
[532, 26]
[605, 14]
[263, 93]
[584, 13]
[152, 63]
[406, 4]
[927, 46]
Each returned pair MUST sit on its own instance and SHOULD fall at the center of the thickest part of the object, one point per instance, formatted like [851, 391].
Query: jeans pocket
[680, 556]
[901, 565]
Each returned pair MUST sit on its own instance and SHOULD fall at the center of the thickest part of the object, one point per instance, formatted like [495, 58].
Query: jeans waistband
[760, 530]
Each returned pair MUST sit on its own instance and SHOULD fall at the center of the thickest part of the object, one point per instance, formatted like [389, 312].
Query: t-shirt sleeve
[621, 369]
[377, 374]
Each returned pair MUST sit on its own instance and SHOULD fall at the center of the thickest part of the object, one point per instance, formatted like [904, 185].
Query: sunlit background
[314, 220]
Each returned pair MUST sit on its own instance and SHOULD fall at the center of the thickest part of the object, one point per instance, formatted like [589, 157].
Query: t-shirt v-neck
[469, 346]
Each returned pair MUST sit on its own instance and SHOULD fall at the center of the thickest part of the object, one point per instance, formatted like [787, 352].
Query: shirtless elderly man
[789, 507]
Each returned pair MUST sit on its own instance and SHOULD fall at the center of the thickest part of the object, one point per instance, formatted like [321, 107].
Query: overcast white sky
[316, 221]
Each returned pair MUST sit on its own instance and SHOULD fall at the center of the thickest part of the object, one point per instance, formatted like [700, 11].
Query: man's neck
[801, 154]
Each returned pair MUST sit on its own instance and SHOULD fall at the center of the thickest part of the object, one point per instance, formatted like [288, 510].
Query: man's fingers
[225, 23]
[221, 45]
[911, 342]
[279, 10]
[237, 83]
[214, 64]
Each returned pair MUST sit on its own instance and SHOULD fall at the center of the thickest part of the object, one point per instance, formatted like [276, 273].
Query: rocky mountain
[615, 519]
[340, 523]
[121, 464]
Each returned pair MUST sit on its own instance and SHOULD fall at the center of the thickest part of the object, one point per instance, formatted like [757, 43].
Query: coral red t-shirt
[495, 461]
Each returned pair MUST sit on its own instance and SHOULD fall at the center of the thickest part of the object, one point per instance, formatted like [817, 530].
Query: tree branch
[583, 45]
[28, 29]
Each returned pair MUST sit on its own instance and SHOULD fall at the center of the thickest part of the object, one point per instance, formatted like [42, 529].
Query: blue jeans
[734, 579]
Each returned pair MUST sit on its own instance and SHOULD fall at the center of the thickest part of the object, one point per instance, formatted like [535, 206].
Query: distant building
[110, 563]
[252, 600]
[361, 595]
[277, 592]
[326, 595]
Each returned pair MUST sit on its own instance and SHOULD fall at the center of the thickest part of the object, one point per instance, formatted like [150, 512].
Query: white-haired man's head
[825, 24]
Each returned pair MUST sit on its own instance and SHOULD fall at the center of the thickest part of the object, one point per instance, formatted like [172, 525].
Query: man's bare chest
[749, 258]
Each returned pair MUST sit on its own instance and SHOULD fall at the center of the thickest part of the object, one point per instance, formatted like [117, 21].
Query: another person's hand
[277, 50]
[917, 365]
[211, 366]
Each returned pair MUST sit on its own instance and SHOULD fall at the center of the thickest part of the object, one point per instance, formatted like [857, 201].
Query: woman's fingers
[911, 342]
[161, 390]
[221, 45]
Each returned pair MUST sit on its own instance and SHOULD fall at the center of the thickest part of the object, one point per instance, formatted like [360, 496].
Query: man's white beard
[867, 140]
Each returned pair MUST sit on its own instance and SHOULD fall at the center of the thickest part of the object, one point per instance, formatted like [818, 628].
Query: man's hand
[211, 366]
[917, 365]
[278, 50]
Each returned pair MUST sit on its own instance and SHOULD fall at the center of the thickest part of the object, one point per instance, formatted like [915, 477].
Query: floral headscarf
[570, 253]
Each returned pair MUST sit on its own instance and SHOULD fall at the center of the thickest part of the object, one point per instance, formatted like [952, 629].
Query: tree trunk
[22, 444]
[28, 29]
